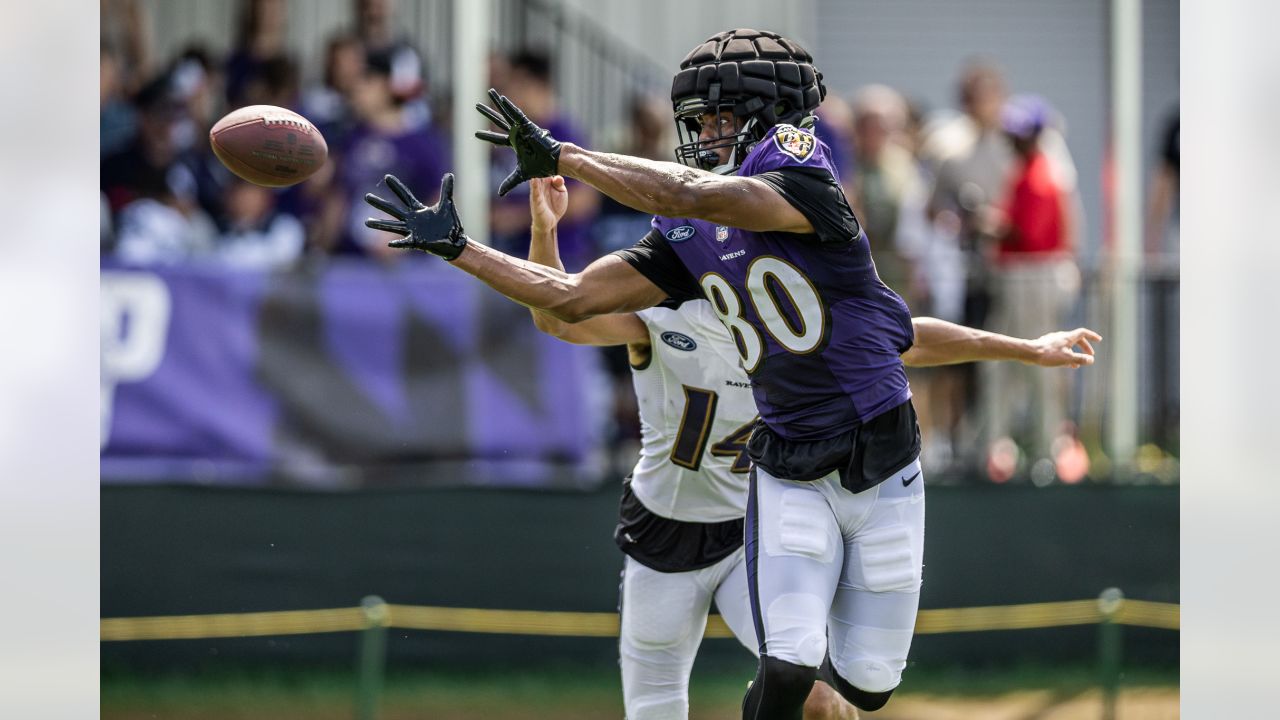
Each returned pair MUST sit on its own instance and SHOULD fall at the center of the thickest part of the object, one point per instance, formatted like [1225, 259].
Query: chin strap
[726, 169]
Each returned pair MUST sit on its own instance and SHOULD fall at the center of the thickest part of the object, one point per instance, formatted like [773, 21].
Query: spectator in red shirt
[1036, 283]
[1036, 221]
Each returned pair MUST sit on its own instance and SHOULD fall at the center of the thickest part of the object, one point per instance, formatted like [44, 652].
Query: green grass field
[1024, 693]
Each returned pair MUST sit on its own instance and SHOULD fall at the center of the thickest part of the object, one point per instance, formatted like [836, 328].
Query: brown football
[268, 145]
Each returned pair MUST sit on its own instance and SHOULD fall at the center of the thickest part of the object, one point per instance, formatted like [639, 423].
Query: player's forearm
[544, 247]
[534, 285]
[608, 285]
[544, 250]
[939, 342]
[650, 186]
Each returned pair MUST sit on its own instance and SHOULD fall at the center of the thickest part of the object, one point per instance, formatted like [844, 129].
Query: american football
[268, 145]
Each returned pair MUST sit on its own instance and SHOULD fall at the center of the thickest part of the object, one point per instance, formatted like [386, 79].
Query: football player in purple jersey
[681, 514]
[754, 221]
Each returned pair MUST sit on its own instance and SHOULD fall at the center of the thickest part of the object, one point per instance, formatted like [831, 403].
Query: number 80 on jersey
[786, 302]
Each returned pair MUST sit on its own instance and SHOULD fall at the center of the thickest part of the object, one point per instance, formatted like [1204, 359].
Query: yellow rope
[511, 622]
[1150, 614]
[596, 624]
[186, 627]
[1008, 617]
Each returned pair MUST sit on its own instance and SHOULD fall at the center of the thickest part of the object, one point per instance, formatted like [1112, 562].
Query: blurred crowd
[973, 212]
[166, 199]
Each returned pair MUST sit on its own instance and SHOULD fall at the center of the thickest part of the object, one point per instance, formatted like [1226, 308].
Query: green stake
[372, 658]
[1109, 646]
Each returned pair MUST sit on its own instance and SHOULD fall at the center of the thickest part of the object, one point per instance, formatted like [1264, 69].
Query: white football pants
[663, 618]
[835, 572]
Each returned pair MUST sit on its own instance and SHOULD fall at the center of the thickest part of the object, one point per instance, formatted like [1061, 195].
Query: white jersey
[696, 413]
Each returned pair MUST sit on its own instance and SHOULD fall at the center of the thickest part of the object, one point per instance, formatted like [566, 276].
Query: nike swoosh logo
[908, 481]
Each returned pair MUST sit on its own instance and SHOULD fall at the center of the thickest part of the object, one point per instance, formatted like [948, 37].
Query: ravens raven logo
[795, 142]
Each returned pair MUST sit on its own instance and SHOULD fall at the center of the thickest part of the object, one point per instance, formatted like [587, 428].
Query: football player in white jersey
[682, 509]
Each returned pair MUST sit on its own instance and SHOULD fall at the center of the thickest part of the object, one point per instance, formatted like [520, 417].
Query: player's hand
[1058, 349]
[434, 229]
[537, 153]
[548, 201]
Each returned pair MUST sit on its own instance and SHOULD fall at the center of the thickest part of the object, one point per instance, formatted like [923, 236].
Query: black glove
[434, 229]
[537, 153]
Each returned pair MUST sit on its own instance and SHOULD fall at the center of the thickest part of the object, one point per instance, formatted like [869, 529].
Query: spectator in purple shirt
[526, 79]
[328, 104]
[380, 31]
[260, 37]
[386, 139]
[835, 128]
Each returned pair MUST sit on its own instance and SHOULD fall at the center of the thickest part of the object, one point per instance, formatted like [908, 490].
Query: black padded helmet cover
[748, 64]
[757, 74]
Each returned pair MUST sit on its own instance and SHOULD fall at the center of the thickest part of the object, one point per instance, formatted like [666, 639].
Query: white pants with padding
[838, 572]
[663, 618]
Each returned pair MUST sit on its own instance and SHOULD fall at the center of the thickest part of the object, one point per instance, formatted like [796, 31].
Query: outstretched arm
[657, 188]
[548, 201]
[608, 285]
[673, 190]
[939, 342]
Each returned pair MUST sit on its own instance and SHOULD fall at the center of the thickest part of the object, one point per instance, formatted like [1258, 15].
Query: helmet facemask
[704, 154]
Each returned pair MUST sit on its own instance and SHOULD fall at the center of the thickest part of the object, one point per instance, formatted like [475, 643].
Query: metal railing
[597, 72]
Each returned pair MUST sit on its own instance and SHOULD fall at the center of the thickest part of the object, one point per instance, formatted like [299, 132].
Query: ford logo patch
[679, 341]
[680, 234]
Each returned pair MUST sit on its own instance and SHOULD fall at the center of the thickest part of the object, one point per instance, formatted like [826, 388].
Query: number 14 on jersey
[695, 425]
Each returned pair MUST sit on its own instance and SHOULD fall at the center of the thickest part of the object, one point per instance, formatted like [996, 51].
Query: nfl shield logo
[722, 233]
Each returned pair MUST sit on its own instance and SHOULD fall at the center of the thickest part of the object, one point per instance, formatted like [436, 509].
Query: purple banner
[348, 375]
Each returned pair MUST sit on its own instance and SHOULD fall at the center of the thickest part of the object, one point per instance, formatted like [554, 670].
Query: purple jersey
[818, 332]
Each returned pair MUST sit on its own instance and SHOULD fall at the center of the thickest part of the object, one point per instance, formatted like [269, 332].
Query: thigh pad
[886, 560]
[804, 527]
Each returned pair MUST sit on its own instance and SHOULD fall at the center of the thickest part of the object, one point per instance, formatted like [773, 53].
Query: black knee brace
[861, 699]
[779, 690]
